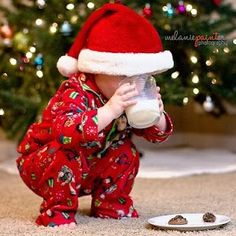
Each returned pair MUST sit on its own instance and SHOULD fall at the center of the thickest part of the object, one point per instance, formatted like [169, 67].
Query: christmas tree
[34, 34]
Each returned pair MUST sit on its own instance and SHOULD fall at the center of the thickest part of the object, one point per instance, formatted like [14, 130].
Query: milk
[143, 114]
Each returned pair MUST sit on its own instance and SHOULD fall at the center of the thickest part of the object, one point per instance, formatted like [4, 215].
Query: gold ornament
[20, 41]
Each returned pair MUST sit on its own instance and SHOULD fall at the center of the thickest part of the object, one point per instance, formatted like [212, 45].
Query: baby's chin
[108, 94]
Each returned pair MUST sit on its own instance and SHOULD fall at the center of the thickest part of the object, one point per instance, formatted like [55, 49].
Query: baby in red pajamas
[82, 145]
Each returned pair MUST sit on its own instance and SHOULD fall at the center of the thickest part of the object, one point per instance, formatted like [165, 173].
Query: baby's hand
[121, 99]
[160, 102]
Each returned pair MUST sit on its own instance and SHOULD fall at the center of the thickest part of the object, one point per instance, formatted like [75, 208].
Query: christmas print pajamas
[64, 157]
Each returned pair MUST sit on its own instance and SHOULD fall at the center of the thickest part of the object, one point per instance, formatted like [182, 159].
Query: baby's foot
[56, 219]
[70, 225]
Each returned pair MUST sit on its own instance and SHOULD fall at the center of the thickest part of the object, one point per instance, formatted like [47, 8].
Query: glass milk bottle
[145, 112]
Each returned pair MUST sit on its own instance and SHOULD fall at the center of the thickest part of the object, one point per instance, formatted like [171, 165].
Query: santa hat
[115, 40]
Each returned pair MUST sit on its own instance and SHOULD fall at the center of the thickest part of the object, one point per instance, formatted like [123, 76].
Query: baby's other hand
[121, 99]
[160, 102]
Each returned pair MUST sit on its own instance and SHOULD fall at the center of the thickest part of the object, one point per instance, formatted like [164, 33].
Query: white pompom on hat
[115, 40]
[67, 65]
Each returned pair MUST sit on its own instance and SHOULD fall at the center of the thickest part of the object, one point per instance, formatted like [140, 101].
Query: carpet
[152, 197]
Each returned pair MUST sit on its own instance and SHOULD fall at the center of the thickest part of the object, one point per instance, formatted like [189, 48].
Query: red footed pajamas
[64, 157]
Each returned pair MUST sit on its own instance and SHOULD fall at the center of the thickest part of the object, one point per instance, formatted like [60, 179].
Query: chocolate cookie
[178, 220]
[209, 217]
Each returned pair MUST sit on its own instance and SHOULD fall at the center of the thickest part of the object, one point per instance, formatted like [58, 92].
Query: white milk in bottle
[144, 113]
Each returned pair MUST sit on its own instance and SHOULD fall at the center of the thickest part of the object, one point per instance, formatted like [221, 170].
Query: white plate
[195, 222]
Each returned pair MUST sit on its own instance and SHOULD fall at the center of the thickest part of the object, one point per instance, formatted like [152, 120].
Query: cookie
[178, 220]
[209, 217]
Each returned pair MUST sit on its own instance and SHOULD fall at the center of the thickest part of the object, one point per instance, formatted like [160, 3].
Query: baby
[82, 146]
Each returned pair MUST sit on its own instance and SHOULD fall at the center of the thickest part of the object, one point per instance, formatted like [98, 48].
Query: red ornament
[217, 2]
[147, 10]
[24, 59]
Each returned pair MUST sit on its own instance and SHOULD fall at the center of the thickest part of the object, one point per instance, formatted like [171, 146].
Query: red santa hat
[115, 40]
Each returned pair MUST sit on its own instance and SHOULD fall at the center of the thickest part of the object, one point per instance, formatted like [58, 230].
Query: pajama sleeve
[76, 122]
[154, 134]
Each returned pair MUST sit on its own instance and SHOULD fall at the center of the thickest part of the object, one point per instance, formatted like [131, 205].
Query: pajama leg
[55, 176]
[110, 197]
